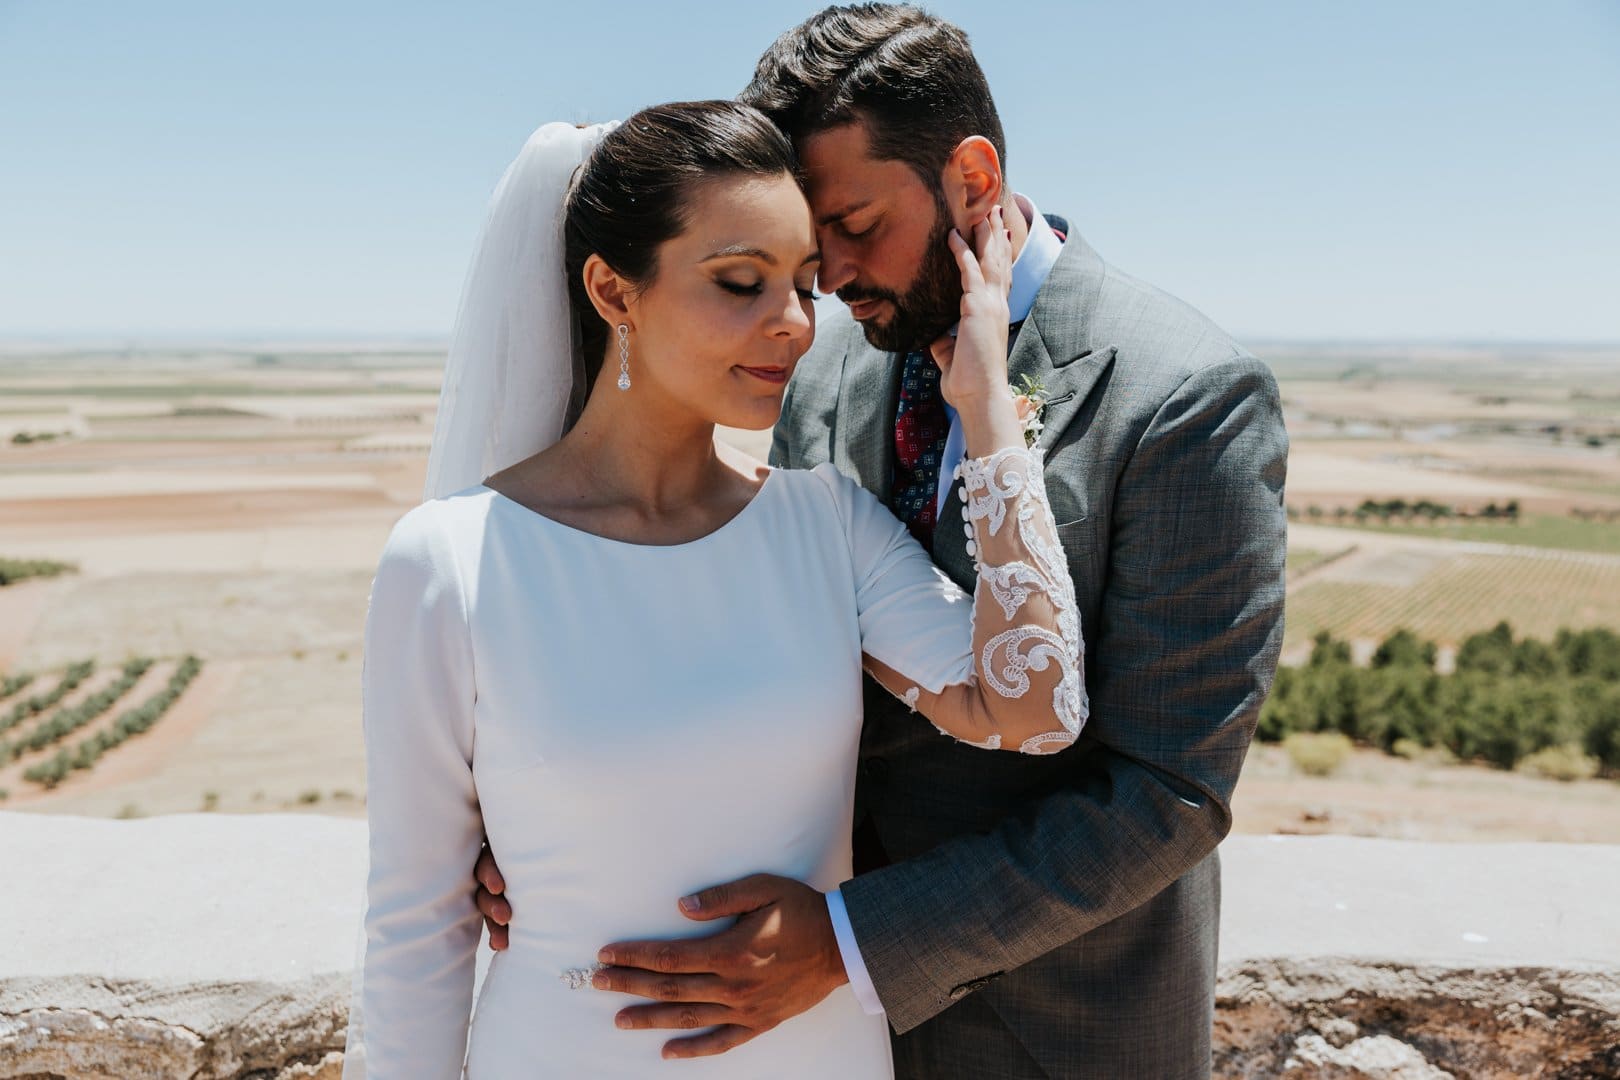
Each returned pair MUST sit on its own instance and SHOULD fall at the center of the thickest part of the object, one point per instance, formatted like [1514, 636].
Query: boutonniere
[1029, 397]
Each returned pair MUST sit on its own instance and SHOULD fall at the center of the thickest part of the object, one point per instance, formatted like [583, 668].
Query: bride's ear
[609, 292]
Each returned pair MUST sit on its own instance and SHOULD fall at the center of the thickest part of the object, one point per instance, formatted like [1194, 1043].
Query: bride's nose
[791, 320]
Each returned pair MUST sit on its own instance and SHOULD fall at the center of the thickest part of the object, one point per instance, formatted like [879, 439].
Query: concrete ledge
[208, 947]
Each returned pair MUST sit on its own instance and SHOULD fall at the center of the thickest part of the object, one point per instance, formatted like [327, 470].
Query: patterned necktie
[920, 428]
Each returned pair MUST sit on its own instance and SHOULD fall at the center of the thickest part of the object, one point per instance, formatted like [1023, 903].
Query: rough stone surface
[207, 947]
[1350, 958]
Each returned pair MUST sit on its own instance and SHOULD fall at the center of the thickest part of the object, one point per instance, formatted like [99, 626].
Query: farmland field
[1456, 596]
[1538, 530]
[229, 502]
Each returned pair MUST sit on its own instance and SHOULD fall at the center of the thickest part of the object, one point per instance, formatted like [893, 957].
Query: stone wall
[205, 947]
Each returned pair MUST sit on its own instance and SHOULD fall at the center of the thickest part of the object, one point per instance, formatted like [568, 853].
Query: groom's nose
[837, 267]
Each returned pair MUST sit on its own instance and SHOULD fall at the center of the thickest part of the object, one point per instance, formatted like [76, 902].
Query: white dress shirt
[1029, 273]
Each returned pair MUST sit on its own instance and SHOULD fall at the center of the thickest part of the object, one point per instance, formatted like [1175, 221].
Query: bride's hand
[973, 363]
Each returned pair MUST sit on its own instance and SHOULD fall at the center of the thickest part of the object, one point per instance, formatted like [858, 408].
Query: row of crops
[32, 706]
[135, 721]
[55, 729]
[65, 721]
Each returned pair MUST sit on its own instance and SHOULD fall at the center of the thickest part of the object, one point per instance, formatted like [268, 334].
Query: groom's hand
[779, 959]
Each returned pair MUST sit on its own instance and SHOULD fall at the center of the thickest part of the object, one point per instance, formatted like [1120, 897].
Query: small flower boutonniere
[1029, 397]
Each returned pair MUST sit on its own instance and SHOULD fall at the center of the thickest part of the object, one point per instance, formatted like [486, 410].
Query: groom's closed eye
[857, 230]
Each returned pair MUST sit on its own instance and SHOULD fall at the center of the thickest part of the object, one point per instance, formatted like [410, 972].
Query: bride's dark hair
[632, 192]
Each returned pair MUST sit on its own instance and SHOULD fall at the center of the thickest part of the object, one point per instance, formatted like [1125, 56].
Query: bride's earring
[624, 356]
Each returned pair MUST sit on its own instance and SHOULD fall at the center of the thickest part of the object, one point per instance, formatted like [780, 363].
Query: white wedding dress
[628, 724]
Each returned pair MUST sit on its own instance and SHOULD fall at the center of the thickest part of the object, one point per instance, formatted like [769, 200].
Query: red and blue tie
[920, 427]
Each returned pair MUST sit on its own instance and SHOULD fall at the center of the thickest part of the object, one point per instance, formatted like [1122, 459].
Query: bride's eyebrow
[743, 251]
[736, 251]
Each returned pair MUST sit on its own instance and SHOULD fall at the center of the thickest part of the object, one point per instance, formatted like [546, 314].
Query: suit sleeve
[422, 927]
[1186, 647]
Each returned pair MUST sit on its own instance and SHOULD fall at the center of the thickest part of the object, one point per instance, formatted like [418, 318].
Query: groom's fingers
[682, 1017]
[733, 898]
[717, 1041]
[656, 986]
[692, 956]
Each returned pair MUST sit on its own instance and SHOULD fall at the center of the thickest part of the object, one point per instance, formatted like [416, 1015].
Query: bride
[606, 636]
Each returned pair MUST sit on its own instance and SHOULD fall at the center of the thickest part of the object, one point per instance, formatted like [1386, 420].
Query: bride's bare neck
[632, 463]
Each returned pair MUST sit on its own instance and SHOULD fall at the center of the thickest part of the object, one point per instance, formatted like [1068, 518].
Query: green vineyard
[66, 721]
[32, 706]
[27, 734]
[1463, 595]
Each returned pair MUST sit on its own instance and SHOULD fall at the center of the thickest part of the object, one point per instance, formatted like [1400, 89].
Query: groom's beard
[931, 306]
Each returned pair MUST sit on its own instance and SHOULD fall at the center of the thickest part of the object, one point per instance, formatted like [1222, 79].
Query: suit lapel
[1056, 346]
[868, 395]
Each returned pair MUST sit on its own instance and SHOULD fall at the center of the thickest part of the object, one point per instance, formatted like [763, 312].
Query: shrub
[1404, 649]
[1317, 753]
[17, 569]
[210, 800]
[1410, 749]
[309, 796]
[1565, 763]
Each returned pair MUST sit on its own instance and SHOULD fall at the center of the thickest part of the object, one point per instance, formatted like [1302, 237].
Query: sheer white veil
[512, 372]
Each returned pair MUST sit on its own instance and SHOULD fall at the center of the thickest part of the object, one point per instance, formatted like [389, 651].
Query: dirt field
[232, 503]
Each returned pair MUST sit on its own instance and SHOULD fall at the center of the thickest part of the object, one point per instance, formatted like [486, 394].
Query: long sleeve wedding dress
[628, 724]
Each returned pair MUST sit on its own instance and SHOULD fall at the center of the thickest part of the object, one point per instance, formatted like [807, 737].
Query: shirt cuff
[850, 952]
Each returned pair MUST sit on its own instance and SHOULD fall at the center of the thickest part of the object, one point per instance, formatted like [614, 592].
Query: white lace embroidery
[1014, 475]
[910, 698]
[991, 743]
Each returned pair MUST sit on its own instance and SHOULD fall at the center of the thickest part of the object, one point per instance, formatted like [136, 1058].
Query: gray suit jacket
[1057, 916]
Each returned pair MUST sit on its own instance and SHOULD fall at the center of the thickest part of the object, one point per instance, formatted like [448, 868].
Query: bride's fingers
[966, 261]
[995, 249]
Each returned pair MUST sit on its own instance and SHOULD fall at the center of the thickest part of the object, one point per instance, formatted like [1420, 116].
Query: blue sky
[1413, 170]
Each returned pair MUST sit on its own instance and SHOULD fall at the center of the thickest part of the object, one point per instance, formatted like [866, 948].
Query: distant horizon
[316, 339]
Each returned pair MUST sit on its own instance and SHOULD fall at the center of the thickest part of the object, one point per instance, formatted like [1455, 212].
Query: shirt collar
[1035, 260]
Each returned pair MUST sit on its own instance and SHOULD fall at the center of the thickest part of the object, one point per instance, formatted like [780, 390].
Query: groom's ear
[609, 293]
[971, 182]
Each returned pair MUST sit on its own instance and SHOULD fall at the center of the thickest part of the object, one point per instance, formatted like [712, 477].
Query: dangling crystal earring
[624, 356]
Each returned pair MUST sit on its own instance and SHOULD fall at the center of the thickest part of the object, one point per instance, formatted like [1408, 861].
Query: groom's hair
[909, 75]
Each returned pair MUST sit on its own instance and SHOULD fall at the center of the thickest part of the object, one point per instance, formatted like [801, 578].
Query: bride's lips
[776, 375]
[864, 309]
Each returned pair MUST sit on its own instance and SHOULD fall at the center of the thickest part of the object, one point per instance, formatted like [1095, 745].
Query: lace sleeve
[1026, 689]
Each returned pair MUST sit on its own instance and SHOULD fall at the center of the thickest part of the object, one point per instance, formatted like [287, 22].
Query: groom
[1014, 916]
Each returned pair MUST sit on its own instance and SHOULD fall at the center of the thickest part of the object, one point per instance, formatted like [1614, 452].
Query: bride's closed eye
[737, 289]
